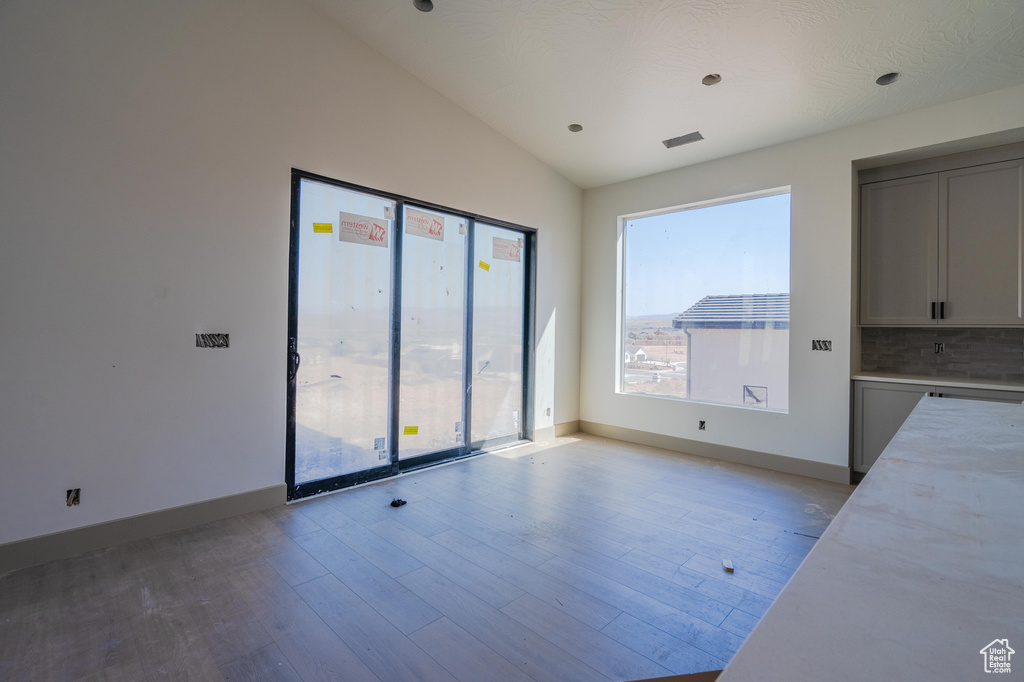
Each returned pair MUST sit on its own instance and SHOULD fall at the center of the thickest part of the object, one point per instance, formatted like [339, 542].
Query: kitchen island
[922, 568]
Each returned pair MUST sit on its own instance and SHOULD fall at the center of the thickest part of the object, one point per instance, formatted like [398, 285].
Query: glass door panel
[433, 331]
[498, 306]
[345, 243]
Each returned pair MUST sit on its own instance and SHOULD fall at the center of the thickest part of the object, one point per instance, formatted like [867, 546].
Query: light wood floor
[588, 559]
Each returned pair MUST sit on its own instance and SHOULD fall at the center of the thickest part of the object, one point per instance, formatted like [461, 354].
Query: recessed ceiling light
[695, 136]
[887, 78]
[575, 127]
[423, 5]
[711, 79]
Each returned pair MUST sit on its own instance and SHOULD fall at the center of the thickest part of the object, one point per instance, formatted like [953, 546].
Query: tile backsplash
[969, 353]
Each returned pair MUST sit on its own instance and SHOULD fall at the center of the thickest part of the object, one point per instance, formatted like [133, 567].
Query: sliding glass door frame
[467, 448]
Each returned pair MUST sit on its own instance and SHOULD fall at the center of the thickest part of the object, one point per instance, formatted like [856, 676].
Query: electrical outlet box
[74, 496]
[940, 348]
[212, 341]
[701, 424]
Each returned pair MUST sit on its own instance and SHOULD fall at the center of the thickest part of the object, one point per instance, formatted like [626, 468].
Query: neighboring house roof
[736, 311]
[633, 350]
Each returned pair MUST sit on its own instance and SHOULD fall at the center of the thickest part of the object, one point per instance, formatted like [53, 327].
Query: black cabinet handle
[942, 310]
[933, 310]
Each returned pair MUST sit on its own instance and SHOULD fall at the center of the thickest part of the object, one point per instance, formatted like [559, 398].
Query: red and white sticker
[506, 249]
[360, 229]
[421, 224]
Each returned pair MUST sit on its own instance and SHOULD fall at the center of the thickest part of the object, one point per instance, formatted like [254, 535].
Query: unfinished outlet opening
[73, 497]
[700, 425]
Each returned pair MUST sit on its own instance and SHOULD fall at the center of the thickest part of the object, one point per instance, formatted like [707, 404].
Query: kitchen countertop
[927, 380]
[922, 567]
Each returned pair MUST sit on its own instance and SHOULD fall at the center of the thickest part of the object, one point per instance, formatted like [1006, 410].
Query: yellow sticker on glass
[484, 266]
[411, 431]
[323, 228]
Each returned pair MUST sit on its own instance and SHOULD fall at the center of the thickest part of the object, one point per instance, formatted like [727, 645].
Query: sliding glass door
[498, 318]
[433, 306]
[343, 329]
[409, 328]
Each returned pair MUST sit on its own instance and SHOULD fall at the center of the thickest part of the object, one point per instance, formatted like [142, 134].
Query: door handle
[293, 359]
[942, 310]
[933, 310]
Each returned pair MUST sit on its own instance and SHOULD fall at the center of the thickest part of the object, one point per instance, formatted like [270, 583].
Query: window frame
[620, 287]
[396, 466]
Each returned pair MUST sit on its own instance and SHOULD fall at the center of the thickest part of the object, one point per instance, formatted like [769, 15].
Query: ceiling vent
[683, 139]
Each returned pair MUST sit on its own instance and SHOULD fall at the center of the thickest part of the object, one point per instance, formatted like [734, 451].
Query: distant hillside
[653, 329]
[655, 316]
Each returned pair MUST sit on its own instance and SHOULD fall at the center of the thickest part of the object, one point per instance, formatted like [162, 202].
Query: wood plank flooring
[585, 559]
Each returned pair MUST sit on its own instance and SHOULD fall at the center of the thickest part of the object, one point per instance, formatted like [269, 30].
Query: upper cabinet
[899, 250]
[944, 248]
[981, 219]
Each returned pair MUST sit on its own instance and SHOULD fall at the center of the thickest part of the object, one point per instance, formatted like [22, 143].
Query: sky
[675, 259]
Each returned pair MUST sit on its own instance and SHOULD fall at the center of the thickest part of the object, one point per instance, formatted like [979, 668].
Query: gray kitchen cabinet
[880, 408]
[981, 263]
[899, 250]
[944, 248]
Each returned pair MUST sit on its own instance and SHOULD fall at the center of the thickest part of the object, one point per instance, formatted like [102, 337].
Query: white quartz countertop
[922, 567]
[925, 380]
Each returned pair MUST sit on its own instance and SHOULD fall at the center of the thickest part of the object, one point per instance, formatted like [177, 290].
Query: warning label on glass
[506, 249]
[424, 224]
[360, 229]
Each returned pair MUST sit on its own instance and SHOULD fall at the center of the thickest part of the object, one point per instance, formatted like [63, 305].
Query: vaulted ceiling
[629, 71]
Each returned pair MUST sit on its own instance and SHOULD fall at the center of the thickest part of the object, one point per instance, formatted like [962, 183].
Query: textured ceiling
[630, 70]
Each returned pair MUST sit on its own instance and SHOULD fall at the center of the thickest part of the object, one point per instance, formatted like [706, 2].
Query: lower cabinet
[879, 410]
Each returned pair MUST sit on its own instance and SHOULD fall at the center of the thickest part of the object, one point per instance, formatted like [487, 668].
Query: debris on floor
[397, 502]
[726, 565]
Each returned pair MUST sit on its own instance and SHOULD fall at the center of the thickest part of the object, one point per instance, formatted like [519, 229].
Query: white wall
[820, 171]
[722, 361]
[145, 151]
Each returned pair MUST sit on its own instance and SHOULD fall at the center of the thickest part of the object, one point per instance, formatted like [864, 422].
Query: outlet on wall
[701, 424]
[213, 341]
[74, 496]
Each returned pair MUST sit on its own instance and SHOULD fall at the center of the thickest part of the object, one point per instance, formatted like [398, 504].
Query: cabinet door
[899, 250]
[980, 242]
[981, 394]
[879, 411]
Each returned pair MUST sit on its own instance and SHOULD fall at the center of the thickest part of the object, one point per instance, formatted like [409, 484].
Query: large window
[705, 302]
